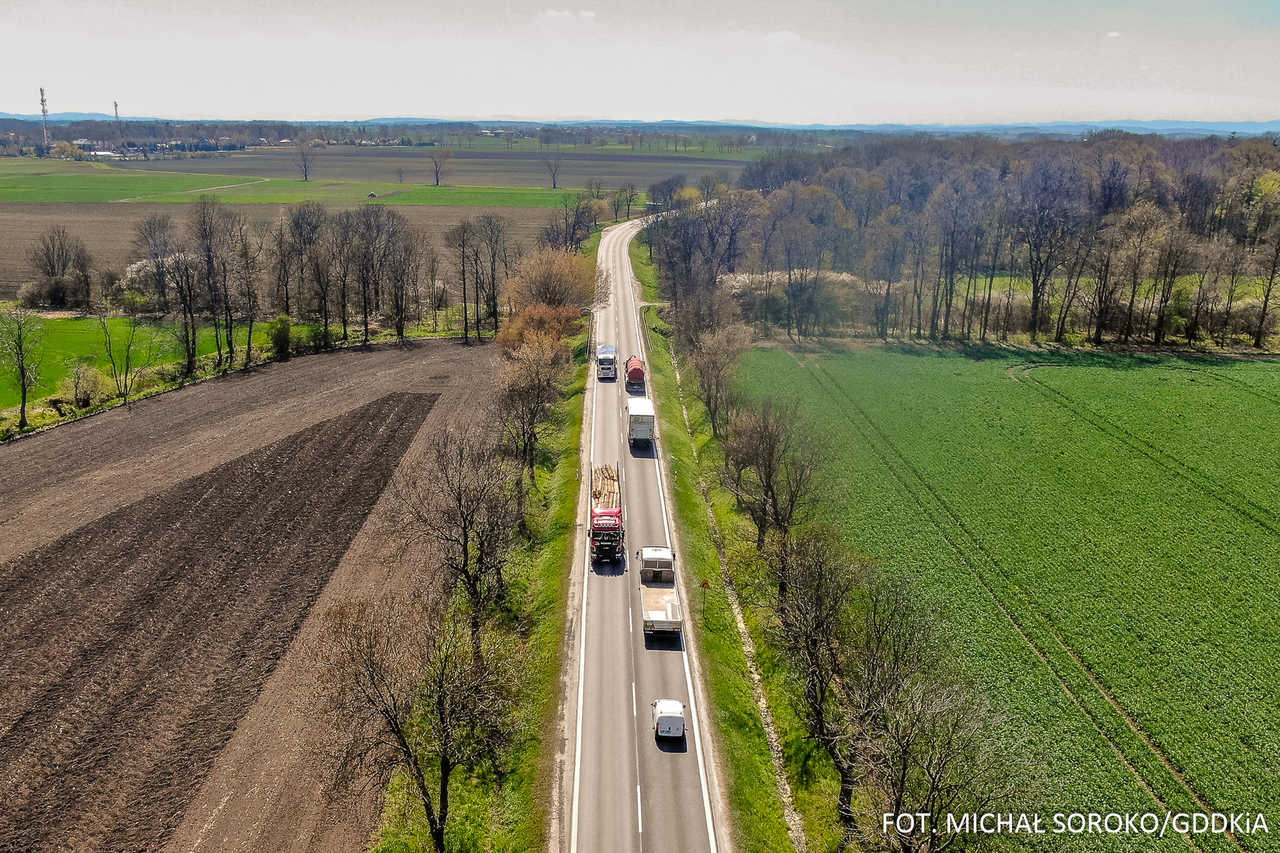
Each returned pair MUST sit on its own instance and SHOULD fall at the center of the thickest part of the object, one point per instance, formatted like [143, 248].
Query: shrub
[30, 295]
[85, 386]
[317, 339]
[279, 332]
[560, 323]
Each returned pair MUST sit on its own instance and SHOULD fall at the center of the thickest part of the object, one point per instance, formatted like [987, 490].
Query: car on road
[668, 718]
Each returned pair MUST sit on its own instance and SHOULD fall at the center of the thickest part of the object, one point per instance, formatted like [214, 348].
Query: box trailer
[640, 420]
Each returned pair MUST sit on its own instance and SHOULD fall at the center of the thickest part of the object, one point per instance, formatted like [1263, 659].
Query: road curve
[630, 793]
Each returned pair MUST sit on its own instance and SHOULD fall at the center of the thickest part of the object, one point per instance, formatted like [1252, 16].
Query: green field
[66, 341]
[279, 191]
[26, 180]
[1103, 532]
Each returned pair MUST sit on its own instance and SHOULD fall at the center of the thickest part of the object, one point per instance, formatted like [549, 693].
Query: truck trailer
[640, 419]
[635, 373]
[659, 601]
[606, 513]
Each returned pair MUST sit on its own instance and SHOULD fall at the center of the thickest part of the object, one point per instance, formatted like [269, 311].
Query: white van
[639, 419]
[606, 362]
[668, 718]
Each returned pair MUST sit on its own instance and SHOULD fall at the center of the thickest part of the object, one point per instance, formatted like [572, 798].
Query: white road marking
[582, 648]
[634, 713]
[639, 808]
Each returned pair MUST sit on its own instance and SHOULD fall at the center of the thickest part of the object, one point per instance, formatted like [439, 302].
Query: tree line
[316, 277]
[1115, 238]
[427, 681]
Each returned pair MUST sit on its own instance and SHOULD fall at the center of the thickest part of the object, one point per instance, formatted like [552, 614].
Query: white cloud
[1114, 34]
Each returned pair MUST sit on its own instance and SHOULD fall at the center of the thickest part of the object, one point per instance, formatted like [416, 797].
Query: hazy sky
[832, 61]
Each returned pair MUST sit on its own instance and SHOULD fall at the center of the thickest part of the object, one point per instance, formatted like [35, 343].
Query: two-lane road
[630, 793]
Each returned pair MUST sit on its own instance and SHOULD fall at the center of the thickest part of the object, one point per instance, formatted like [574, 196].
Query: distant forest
[1114, 237]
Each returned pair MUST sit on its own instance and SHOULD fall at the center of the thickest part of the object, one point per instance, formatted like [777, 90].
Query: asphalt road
[631, 793]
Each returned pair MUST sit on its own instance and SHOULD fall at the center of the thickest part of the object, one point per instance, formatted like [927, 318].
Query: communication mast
[119, 130]
[44, 117]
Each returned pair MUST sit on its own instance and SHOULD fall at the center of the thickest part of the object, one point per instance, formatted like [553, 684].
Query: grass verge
[511, 816]
[741, 747]
[644, 268]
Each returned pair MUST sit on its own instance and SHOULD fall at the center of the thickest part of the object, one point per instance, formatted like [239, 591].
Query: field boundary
[1111, 703]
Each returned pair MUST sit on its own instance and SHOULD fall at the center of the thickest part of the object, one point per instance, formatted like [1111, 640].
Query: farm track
[950, 526]
[134, 645]
[1242, 505]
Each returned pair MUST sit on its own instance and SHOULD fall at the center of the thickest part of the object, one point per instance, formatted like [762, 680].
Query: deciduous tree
[21, 349]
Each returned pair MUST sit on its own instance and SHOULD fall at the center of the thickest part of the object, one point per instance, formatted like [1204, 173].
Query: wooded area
[1116, 237]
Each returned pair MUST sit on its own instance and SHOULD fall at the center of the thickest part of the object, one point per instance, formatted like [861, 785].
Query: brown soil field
[158, 563]
[467, 168]
[107, 229]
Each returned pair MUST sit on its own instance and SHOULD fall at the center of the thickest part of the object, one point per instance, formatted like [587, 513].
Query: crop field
[108, 229]
[155, 565]
[468, 167]
[29, 180]
[1104, 534]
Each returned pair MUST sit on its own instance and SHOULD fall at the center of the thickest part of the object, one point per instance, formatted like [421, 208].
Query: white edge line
[684, 651]
[582, 647]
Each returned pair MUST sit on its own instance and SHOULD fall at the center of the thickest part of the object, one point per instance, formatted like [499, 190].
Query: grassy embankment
[1128, 478]
[511, 817]
[741, 747]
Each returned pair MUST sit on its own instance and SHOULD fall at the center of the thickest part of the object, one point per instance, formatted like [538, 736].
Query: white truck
[640, 420]
[668, 718]
[606, 362]
[659, 601]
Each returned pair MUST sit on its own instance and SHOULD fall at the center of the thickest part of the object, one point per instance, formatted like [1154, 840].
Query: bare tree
[714, 358]
[128, 358]
[248, 266]
[304, 156]
[460, 240]
[499, 254]
[404, 271]
[402, 689]
[872, 680]
[628, 194]
[459, 504]
[1272, 264]
[551, 277]
[772, 463]
[440, 158]
[153, 241]
[529, 385]
[553, 160]
[183, 274]
[53, 258]
[20, 352]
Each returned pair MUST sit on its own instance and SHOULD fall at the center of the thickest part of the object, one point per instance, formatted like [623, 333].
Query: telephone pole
[44, 117]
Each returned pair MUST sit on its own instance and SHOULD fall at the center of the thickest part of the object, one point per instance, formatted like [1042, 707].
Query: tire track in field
[916, 494]
[1242, 505]
[1246, 387]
